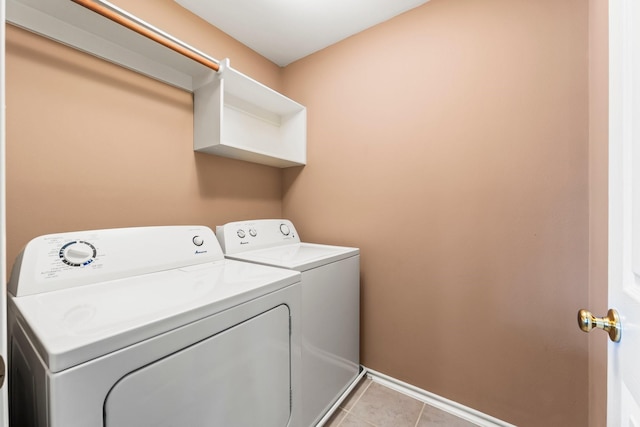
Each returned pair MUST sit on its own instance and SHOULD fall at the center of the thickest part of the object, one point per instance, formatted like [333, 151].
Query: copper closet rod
[158, 38]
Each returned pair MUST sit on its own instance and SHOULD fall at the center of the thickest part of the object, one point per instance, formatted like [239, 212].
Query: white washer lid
[72, 326]
[297, 256]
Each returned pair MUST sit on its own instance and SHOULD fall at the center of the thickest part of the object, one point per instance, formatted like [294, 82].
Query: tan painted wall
[92, 145]
[451, 145]
[598, 203]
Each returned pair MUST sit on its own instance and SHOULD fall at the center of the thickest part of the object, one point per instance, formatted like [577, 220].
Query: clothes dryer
[150, 327]
[330, 304]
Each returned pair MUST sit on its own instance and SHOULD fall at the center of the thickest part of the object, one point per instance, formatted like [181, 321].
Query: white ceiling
[287, 30]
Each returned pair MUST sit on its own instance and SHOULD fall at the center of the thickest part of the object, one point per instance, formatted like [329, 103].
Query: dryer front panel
[240, 377]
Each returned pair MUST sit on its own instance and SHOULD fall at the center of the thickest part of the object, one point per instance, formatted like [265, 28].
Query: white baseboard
[439, 402]
[343, 396]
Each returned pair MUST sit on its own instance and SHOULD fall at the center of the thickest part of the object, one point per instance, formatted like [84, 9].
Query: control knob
[78, 253]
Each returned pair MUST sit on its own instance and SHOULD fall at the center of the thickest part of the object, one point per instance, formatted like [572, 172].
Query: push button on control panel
[284, 229]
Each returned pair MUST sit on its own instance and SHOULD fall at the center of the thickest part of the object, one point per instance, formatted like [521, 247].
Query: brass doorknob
[610, 324]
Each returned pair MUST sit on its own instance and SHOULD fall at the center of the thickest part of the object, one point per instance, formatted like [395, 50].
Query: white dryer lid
[297, 256]
[72, 326]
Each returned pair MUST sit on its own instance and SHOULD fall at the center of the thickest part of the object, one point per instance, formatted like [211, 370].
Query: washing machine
[150, 326]
[330, 304]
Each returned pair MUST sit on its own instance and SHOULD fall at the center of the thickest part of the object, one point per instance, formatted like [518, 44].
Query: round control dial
[241, 234]
[78, 253]
[284, 229]
[253, 232]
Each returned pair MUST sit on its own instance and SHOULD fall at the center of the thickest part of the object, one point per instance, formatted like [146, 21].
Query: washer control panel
[242, 236]
[65, 260]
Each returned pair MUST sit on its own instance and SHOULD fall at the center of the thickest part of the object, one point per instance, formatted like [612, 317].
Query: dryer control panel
[66, 260]
[242, 236]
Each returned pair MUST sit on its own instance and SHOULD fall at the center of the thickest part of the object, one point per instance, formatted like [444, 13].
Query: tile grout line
[348, 411]
[424, 405]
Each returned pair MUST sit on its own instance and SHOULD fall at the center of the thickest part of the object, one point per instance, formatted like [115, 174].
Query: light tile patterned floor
[373, 405]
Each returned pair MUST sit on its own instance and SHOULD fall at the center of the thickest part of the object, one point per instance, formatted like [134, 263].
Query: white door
[4, 414]
[623, 408]
[213, 382]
